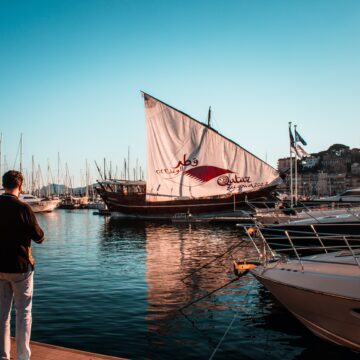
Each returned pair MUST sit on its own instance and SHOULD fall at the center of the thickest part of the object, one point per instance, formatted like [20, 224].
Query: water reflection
[115, 287]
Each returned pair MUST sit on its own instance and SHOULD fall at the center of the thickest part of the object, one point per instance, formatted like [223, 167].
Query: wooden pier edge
[40, 351]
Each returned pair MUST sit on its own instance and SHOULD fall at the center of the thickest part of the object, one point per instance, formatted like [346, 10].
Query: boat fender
[251, 231]
[242, 267]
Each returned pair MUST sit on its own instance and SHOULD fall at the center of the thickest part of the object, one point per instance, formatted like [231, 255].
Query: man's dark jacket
[18, 226]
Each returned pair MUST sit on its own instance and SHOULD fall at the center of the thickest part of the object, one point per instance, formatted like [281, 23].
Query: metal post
[296, 253]
[351, 251]
[318, 237]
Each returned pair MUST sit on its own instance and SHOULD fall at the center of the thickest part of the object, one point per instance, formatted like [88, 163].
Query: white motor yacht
[40, 204]
[322, 291]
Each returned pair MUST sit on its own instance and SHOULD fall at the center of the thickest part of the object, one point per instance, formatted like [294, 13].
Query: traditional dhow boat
[190, 168]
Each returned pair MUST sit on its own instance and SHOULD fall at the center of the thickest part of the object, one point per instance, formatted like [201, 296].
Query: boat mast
[21, 152]
[66, 179]
[104, 169]
[137, 165]
[58, 175]
[209, 117]
[296, 172]
[48, 179]
[291, 171]
[128, 163]
[32, 175]
[87, 180]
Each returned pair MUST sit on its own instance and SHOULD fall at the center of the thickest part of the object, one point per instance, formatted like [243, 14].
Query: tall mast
[128, 164]
[66, 179]
[32, 175]
[86, 180]
[48, 178]
[137, 166]
[296, 173]
[209, 117]
[291, 171]
[58, 175]
[21, 152]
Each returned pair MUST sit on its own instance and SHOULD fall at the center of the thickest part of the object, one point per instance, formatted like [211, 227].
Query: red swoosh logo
[206, 173]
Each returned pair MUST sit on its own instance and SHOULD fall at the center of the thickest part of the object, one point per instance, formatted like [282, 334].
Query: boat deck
[41, 351]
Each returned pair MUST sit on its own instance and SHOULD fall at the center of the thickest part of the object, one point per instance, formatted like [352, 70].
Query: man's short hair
[12, 179]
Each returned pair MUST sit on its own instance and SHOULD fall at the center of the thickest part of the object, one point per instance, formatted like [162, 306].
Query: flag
[300, 151]
[292, 142]
[298, 138]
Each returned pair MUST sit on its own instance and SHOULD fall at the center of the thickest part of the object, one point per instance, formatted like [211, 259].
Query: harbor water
[115, 287]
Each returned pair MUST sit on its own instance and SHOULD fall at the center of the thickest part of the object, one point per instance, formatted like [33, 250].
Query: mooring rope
[230, 325]
[229, 250]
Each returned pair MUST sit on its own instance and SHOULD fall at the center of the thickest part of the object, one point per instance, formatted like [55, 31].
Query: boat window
[351, 193]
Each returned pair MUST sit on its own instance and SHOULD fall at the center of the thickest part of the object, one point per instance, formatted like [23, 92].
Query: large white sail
[187, 159]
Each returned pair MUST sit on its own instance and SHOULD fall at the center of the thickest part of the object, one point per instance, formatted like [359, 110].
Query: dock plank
[41, 351]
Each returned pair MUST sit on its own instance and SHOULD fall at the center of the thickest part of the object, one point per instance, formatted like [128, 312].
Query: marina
[114, 287]
[180, 180]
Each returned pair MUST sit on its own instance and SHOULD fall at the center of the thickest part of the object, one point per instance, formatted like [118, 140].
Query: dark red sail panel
[206, 173]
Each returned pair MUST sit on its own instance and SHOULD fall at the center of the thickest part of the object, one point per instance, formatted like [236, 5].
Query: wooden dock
[41, 351]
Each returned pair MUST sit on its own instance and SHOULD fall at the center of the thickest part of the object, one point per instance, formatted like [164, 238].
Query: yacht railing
[298, 212]
[289, 244]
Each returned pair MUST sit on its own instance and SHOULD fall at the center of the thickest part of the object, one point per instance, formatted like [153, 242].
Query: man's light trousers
[18, 288]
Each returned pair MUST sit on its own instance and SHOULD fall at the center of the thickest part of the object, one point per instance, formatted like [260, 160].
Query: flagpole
[291, 172]
[296, 171]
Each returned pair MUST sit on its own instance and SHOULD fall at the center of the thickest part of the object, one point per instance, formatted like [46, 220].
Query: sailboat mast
[209, 117]
[291, 171]
[128, 164]
[48, 179]
[32, 175]
[296, 172]
[58, 175]
[87, 179]
[104, 169]
[21, 152]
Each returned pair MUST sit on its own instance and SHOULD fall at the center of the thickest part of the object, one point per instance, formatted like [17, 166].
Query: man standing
[18, 226]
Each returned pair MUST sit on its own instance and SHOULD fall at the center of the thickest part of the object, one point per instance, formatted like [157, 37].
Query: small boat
[324, 213]
[349, 196]
[40, 204]
[74, 202]
[321, 290]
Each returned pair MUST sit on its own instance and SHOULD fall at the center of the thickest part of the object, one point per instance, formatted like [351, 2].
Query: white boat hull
[44, 205]
[324, 297]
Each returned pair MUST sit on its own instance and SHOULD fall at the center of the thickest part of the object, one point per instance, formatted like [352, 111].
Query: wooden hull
[136, 205]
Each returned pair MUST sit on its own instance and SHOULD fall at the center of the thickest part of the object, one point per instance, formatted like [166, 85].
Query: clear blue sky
[71, 74]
